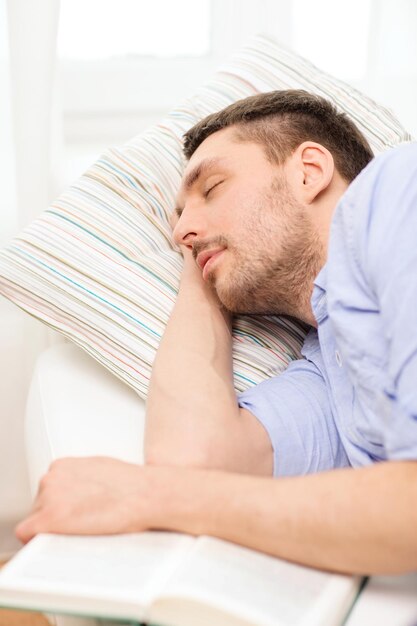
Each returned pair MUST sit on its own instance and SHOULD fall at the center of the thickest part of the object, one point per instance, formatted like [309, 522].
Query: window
[125, 63]
[122, 64]
[93, 29]
[334, 35]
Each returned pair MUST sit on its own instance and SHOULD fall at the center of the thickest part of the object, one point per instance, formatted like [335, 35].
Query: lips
[206, 258]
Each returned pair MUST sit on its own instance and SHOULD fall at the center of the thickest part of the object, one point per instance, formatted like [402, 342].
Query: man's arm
[193, 417]
[349, 520]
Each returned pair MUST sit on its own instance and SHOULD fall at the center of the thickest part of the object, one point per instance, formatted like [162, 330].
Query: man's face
[253, 242]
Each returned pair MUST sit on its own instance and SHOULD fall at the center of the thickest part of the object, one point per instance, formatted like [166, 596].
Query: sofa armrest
[77, 408]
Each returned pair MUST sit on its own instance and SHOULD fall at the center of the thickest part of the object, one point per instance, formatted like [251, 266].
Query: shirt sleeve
[391, 260]
[295, 410]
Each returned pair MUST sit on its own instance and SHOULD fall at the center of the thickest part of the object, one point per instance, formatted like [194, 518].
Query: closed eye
[206, 193]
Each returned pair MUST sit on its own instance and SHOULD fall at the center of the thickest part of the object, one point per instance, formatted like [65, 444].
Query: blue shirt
[352, 400]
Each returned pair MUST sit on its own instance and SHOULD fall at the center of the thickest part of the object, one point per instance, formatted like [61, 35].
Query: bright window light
[99, 29]
[333, 35]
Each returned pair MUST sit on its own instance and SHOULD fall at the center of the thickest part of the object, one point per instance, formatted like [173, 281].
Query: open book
[171, 579]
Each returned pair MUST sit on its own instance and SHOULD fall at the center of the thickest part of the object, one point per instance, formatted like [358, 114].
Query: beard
[273, 271]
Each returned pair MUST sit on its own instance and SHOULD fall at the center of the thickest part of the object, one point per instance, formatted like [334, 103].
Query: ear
[315, 169]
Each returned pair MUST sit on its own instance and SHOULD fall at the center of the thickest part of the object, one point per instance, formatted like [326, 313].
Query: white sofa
[77, 408]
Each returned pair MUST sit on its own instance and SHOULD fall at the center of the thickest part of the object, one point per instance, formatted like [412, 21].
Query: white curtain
[32, 39]
[7, 156]
[28, 33]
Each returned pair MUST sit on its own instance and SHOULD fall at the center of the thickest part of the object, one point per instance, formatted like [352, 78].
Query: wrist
[193, 285]
[175, 501]
[190, 270]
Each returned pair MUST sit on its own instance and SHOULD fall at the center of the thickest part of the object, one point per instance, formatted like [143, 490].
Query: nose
[182, 235]
[190, 225]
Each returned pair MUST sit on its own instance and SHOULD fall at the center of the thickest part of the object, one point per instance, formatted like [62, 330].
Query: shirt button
[338, 358]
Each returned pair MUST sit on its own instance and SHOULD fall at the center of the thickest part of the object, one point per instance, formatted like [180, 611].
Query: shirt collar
[319, 295]
[321, 278]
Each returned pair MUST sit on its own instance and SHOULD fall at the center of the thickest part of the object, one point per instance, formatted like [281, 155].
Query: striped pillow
[99, 265]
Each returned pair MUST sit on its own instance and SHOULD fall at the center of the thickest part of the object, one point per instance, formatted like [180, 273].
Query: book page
[387, 600]
[255, 587]
[106, 570]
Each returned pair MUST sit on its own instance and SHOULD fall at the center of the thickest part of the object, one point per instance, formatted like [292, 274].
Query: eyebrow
[191, 179]
[199, 170]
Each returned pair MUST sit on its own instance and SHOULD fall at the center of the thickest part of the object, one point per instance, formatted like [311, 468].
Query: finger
[29, 527]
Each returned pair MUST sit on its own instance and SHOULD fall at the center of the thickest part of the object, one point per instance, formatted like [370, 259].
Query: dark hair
[281, 120]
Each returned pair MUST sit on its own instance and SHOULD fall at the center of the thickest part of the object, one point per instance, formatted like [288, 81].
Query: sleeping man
[281, 210]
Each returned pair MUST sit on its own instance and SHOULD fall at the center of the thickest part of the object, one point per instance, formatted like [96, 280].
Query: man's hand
[91, 496]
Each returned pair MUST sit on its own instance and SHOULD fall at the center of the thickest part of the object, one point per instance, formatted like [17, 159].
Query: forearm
[356, 521]
[191, 398]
